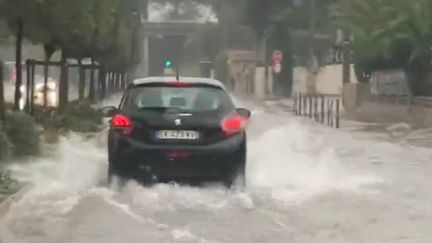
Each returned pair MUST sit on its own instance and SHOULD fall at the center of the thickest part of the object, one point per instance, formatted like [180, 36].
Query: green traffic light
[168, 63]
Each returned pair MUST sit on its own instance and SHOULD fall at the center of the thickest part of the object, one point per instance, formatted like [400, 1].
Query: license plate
[177, 135]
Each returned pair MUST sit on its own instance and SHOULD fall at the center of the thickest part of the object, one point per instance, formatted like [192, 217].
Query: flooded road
[306, 183]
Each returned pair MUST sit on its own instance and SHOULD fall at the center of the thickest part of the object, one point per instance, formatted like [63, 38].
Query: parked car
[51, 92]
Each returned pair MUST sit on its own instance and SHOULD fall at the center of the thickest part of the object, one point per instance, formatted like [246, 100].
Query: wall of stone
[260, 89]
[361, 105]
[328, 79]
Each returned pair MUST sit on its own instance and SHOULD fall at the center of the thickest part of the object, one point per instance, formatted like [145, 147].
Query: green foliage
[7, 183]
[23, 134]
[81, 117]
[390, 33]
[102, 29]
[221, 66]
[5, 146]
[78, 117]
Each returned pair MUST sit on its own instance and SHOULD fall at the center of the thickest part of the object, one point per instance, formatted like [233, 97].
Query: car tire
[114, 178]
[236, 179]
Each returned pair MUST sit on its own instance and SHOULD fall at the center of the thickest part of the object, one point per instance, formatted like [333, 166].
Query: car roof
[194, 80]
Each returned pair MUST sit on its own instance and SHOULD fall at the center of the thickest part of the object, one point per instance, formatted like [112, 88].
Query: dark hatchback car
[167, 129]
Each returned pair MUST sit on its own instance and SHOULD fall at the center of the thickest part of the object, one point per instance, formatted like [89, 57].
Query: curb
[7, 203]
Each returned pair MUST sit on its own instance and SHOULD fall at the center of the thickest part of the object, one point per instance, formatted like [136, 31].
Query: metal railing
[101, 82]
[324, 109]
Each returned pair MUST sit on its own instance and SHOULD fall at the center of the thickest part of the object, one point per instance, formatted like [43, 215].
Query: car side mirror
[244, 112]
[109, 111]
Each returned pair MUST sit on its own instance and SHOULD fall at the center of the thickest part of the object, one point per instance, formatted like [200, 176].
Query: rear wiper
[164, 109]
[152, 108]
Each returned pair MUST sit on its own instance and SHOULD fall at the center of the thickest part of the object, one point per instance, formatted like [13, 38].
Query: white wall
[260, 83]
[299, 80]
[328, 79]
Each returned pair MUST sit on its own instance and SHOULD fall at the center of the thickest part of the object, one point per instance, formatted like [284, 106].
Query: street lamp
[346, 66]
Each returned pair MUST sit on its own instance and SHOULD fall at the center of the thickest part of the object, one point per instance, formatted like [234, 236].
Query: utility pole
[312, 31]
[311, 46]
[266, 66]
[18, 63]
[2, 103]
[145, 41]
[346, 69]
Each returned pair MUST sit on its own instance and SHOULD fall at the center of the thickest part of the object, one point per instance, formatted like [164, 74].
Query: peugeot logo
[177, 122]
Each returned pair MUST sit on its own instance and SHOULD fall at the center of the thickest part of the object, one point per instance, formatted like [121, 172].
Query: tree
[79, 21]
[391, 33]
[15, 12]
[33, 20]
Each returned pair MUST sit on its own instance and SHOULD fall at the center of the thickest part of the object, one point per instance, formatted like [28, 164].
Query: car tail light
[179, 84]
[234, 124]
[122, 124]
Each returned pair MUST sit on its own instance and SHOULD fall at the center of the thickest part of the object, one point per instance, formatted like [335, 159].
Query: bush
[7, 183]
[84, 110]
[78, 124]
[23, 133]
[78, 117]
[5, 146]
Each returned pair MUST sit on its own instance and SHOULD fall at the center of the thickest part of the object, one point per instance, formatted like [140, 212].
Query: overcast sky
[158, 13]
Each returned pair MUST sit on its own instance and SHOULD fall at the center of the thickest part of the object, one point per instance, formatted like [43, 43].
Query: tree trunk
[2, 102]
[346, 66]
[82, 74]
[145, 9]
[32, 85]
[176, 13]
[18, 62]
[313, 62]
[28, 86]
[92, 83]
[64, 84]
[419, 78]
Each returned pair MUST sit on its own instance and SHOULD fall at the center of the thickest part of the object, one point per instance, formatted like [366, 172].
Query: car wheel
[236, 179]
[114, 178]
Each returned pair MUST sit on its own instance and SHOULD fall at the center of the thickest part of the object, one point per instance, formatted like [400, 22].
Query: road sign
[277, 56]
[277, 61]
[169, 71]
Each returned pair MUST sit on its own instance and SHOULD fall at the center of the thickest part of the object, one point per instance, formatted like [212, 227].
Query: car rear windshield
[191, 99]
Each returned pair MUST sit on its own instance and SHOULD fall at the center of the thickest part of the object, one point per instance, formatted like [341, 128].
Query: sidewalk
[397, 132]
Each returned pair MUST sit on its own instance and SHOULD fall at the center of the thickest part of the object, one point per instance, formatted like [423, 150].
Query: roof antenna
[177, 73]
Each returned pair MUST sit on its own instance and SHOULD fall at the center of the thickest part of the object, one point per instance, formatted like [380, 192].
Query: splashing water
[287, 164]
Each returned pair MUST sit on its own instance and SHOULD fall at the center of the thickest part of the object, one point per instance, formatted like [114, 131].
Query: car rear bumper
[135, 159]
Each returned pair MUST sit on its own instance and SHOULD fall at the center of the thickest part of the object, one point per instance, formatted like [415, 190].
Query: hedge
[23, 133]
[5, 146]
